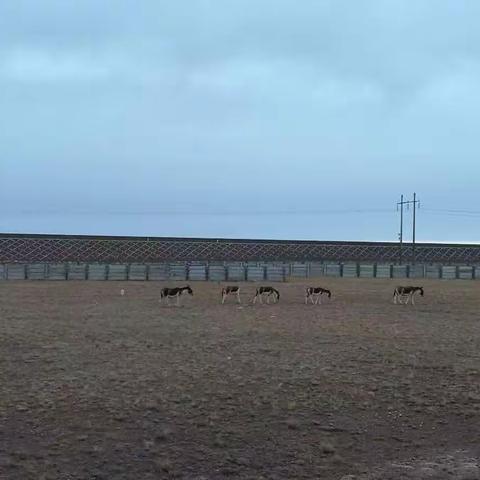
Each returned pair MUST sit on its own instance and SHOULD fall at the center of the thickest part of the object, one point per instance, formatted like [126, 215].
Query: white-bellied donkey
[317, 292]
[231, 290]
[167, 293]
[408, 292]
[267, 292]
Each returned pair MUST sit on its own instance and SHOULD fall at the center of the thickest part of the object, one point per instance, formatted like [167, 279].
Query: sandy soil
[95, 385]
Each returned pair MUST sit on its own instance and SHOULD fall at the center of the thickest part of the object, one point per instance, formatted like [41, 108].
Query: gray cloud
[142, 106]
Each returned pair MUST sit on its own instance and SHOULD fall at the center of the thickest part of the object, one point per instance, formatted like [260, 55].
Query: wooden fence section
[232, 272]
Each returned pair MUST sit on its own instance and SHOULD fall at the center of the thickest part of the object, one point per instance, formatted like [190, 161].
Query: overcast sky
[240, 118]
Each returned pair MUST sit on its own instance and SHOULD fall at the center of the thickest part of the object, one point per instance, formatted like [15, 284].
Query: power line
[452, 213]
[401, 204]
[203, 212]
[427, 211]
[450, 210]
[415, 202]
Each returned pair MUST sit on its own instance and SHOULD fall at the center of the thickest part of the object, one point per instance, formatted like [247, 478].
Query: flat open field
[99, 386]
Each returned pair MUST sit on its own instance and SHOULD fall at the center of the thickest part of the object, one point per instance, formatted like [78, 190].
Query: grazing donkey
[408, 292]
[168, 293]
[230, 290]
[316, 292]
[268, 292]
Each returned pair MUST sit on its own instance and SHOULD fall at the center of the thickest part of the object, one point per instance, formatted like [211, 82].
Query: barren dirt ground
[95, 385]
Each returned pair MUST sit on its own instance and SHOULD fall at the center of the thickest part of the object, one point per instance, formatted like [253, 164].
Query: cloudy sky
[240, 118]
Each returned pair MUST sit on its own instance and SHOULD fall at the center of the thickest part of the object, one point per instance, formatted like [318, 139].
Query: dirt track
[99, 386]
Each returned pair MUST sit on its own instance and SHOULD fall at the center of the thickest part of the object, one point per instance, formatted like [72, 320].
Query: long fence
[229, 271]
[91, 249]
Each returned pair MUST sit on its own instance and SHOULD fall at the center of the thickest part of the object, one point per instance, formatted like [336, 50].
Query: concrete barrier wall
[37, 271]
[465, 272]
[57, 271]
[255, 273]
[399, 271]
[416, 271]
[217, 273]
[232, 272]
[275, 273]
[432, 271]
[157, 271]
[384, 271]
[117, 272]
[177, 272]
[299, 270]
[333, 270]
[197, 272]
[235, 273]
[316, 270]
[449, 272]
[96, 271]
[366, 271]
[350, 270]
[476, 272]
[77, 271]
[137, 272]
[15, 272]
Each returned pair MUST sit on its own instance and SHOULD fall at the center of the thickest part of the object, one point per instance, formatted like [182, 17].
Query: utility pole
[401, 203]
[400, 236]
[415, 201]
